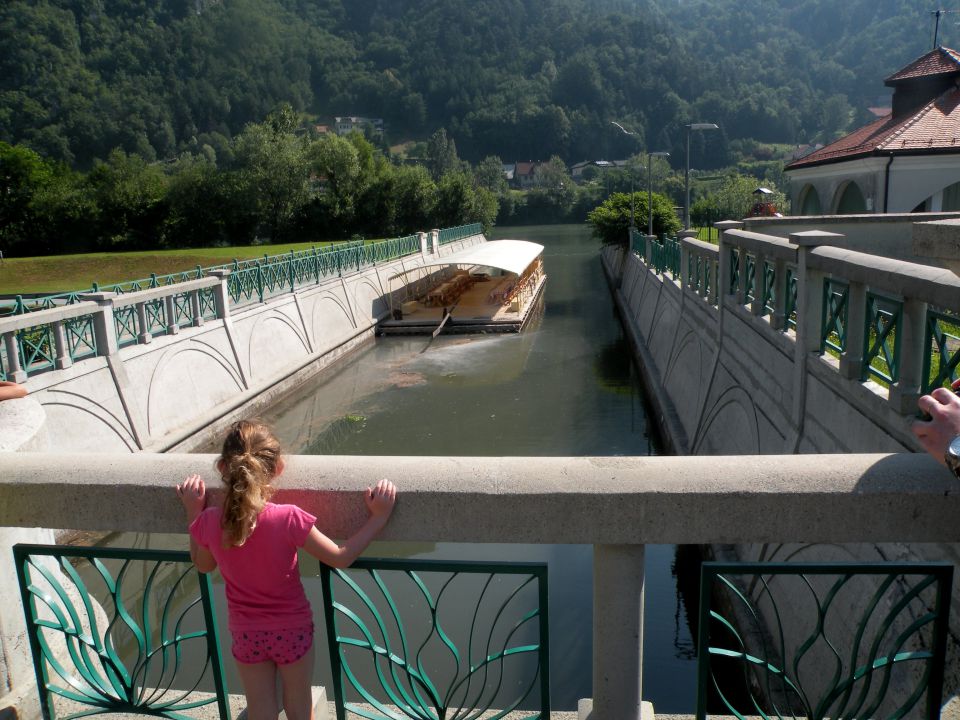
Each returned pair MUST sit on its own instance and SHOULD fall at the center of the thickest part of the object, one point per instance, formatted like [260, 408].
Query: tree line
[520, 79]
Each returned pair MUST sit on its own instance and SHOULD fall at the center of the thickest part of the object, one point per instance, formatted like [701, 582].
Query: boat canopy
[511, 255]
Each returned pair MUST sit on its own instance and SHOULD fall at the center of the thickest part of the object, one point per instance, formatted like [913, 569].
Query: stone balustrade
[616, 504]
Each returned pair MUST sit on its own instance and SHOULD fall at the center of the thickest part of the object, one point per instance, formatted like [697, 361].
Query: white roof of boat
[511, 255]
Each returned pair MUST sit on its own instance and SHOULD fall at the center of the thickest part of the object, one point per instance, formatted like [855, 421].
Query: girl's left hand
[193, 494]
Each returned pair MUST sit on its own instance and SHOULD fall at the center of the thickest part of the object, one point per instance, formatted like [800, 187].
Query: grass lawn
[64, 273]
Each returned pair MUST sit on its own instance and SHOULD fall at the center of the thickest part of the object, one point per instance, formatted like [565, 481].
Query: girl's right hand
[381, 498]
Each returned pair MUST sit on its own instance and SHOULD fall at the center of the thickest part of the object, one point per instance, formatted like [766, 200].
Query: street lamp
[631, 134]
[650, 156]
[686, 175]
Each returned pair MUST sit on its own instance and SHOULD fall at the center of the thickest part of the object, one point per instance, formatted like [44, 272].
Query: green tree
[611, 219]
[130, 196]
[442, 155]
[273, 164]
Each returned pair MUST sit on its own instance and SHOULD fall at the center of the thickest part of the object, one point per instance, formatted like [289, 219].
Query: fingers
[193, 485]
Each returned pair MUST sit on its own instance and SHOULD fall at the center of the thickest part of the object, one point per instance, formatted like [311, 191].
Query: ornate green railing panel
[424, 665]
[156, 313]
[449, 235]
[751, 274]
[833, 323]
[37, 348]
[80, 336]
[941, 350]
[638, 244]
[769, 281]
[182, 309]
[734, 271]
[125, 325]
[790, 311]
[759, 656]
[111, 630]
[881, 341]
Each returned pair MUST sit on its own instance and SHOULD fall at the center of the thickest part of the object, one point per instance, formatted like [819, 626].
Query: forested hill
[522, 79]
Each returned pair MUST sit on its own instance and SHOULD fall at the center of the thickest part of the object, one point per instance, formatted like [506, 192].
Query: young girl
[254, 542]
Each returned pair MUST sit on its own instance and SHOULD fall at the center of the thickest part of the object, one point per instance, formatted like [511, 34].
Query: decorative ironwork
[769, 303]
[37, 348]
[833, 323]
[80, 336]
[750, 275]
[422, 665]
[760, 656]
[790, 311]
[941, 350]
[734, 271]
[449, 235]
[881, 341]
[123, 650]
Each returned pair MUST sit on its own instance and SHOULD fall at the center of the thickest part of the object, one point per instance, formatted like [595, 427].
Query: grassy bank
[58, 273]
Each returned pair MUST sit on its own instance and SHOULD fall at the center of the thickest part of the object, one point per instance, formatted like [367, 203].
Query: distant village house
[347, 124]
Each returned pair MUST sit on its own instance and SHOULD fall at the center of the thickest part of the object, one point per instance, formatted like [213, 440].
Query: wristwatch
[952, 456]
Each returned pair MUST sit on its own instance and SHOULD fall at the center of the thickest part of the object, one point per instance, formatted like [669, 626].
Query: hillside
[521, 79]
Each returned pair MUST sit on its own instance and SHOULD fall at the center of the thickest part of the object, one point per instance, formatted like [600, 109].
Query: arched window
[951, 198]
[810, 201]
[851, 200]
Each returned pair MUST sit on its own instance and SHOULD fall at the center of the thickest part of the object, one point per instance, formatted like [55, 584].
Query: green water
[563, 387]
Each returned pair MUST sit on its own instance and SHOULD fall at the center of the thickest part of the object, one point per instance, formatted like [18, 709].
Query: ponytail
[248, 463]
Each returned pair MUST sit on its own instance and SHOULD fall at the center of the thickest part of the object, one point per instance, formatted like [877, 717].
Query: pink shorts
[280, 646]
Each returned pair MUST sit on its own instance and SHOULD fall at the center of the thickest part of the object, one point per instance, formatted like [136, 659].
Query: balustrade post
[618, 575]
[422, 238]
[809, 314]
[170, 310]
[908, 387]
[723, 263]
[851, 361]
[778, 319]
[221, 292]
[648, 244]
[15, 371]
[195, 307]
[144, 336]
[686, 279]
[62, 359]
[435, 241]
[104, 326]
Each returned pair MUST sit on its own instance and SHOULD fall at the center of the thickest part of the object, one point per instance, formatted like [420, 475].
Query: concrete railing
[616, 504]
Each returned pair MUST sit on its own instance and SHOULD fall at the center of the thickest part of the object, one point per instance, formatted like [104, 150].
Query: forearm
[354, 546]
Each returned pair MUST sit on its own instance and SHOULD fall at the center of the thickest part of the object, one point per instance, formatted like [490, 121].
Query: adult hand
[381, 498]
[193, 494]
[935, 434]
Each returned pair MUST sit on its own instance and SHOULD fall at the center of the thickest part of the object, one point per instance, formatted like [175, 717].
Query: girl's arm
[11, 391]
[380, 501]
[193, 494]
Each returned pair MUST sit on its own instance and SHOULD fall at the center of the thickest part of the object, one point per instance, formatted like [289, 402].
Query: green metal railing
[881, 341]
[638, 244]
[449, 235]
[110, 630]
[755, 659]
[941, 350]
[833, 324]
[420, 664]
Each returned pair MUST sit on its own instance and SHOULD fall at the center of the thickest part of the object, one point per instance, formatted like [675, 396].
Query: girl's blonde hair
[248, 463]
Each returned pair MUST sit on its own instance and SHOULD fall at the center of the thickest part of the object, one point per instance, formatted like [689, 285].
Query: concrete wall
[160, 395]
[889, 235]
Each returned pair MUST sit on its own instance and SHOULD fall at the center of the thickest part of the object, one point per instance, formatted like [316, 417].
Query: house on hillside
[905, 161]
[347, 124]
[523, 174]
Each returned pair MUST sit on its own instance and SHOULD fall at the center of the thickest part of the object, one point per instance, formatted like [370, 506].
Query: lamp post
[686, 175]
[650, 156]
[631, 134]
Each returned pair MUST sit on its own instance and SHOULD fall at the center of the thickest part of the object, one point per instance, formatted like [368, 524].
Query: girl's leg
[260, 686]
[297, 678]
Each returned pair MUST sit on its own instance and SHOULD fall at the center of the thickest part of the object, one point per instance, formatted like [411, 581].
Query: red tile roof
[939, 61]
[933, 128]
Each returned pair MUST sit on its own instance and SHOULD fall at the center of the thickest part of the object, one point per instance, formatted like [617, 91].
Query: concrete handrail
[13, 323]
[936, 286]
[699, 246]
[139, 296]
[609, 500]
[767, 245]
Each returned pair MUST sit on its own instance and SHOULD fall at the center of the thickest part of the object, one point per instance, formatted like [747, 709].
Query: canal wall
[738, 350]
[228, 356]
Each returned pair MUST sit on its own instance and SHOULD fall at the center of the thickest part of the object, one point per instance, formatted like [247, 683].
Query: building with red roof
[907, 160]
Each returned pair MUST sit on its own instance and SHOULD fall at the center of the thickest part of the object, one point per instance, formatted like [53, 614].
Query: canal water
[565, 386]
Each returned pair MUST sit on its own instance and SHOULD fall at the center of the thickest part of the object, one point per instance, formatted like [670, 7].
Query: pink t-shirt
[264, 591]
